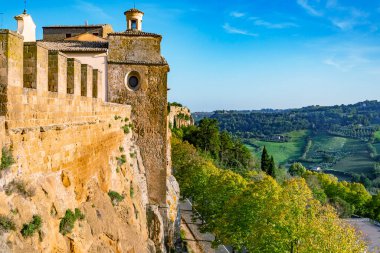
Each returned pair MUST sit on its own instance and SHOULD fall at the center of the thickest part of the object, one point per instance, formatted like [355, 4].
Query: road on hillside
[204, 240]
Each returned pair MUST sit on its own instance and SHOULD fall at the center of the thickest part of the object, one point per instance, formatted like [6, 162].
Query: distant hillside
[359, 120]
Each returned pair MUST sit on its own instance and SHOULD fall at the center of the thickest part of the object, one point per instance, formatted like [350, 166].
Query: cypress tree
[265, 161]
[272, 167]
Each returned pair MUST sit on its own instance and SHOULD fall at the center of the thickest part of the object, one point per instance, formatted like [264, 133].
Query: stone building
[84, 113]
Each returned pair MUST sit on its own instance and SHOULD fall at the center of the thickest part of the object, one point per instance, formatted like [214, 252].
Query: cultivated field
[319, 150]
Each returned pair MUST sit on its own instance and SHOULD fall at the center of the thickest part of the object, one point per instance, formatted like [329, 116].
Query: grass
[358, 159]
[35, 225]
[6, 224]
[377, 136]
[377, 146]
[6, 158]
[115, 197]
[282, 152]
[68, 221]
[20, 187]
[326, 151]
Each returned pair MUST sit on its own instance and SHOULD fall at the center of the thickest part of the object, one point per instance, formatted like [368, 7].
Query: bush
[67, 223]
[6, 224]
[20, 187]
[122, 159]
[126, 129]
[115, 197]
[33, 226]
[131, 191]
[6, 159]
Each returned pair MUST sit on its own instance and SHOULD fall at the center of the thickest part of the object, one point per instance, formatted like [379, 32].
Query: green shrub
[121, 149]
[20, 187]
[6, 159]
[6, 224]
[115, 197]
[125, 129]
[117, 117]
[33, 226]
[78, 214]
[131, 191]
[122, 159]
[67, 223]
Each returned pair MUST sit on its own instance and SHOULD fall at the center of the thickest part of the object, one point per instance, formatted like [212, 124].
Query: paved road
[371, 232]
[204, 239]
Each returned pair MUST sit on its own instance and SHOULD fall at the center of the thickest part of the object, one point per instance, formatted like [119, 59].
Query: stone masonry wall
[71, 150]
[149, 113]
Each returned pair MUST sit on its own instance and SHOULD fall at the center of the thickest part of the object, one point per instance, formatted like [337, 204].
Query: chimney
[26, 27]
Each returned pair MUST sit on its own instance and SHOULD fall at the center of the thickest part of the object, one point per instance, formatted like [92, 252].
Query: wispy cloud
[233, 30]
[91, 9]
[344, 24]
[259, 22]
[237, 14]
[310, 9]
[342, 66]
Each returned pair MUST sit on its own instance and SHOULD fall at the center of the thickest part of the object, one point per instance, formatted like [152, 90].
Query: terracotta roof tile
[76, 46]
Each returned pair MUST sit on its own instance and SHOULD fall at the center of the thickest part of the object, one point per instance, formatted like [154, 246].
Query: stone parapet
[57, 72]
[74, 69]
[86, 80]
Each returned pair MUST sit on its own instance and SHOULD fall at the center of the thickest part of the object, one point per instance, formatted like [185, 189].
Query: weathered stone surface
[180, 117]
[156, 228]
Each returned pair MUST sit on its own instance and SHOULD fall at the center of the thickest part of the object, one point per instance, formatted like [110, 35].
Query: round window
[132, 81]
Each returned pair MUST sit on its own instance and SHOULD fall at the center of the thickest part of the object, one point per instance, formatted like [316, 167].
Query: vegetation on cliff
[255, 212]
[225, 150]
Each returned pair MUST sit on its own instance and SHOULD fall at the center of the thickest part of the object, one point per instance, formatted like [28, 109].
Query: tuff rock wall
[70, 151]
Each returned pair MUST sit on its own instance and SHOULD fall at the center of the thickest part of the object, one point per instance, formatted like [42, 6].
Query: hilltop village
[86, 164]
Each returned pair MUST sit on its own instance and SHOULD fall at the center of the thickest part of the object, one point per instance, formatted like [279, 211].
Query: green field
[282, 152]
[326, 151]
[377, 136]
[377, 146]
[358, 159]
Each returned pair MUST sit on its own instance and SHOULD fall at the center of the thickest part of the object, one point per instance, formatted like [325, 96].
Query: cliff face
[73, 152]
[180, 116]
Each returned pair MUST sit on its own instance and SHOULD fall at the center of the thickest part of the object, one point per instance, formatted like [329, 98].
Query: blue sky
[246, 54]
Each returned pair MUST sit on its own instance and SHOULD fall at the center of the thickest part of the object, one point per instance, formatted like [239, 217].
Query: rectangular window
[68, 35]
[134, 24]
[96, 34]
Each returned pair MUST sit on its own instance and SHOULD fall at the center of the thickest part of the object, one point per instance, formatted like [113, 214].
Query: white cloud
[270, 25]
[237, 14]
[339, 65]
[310, 9]
[233, 30]
[344, 24]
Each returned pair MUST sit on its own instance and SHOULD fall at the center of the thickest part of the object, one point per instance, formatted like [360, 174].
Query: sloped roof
[86, 37]
[135, 33]
[76, 26]
[76, 46]
[133, 10]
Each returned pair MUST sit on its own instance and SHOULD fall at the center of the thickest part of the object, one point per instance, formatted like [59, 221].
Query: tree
[272, 168]
[297, 169]
[265, 160]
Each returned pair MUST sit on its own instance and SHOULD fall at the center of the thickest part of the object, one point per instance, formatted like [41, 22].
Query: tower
[134, 19]
[26, 27]
[137, 75]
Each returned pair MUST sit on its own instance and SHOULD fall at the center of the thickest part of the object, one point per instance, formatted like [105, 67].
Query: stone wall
[70, 151]
[141, 54]
[180, 117]
[59, 33]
